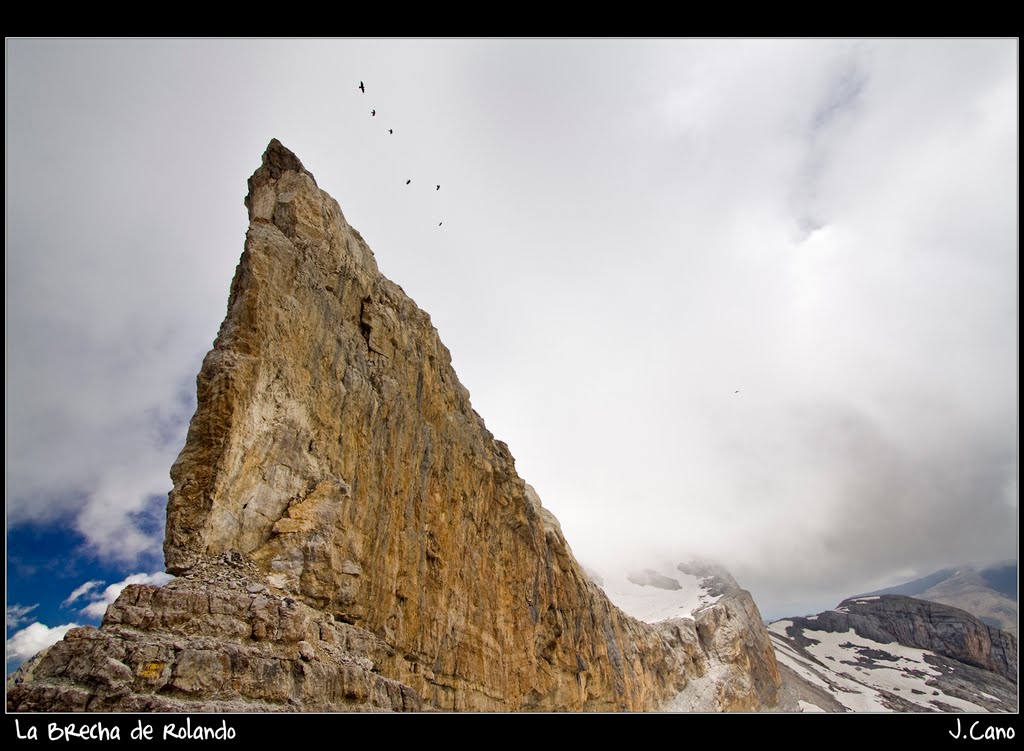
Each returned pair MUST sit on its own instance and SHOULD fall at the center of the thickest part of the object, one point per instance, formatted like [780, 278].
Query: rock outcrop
[988, 593]
[214, 640]
[941, 629]
[729, 627]
[348, 534]
[890, 652]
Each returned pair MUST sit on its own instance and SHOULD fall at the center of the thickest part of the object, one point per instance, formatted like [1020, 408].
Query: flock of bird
[373, 113]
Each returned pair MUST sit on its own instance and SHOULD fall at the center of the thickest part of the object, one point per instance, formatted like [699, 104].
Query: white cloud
[32, 638]
[121, 498]
[80, 591]
[98, 606]
[16, 614]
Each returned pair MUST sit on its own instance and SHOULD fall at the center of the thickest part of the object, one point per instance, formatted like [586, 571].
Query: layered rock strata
[895, 653]
[214, 640]
[938, 628]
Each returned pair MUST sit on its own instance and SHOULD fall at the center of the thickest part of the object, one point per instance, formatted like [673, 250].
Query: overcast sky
[633, 232]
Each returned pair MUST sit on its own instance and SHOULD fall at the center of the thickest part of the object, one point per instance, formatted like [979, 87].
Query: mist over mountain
[988, 592]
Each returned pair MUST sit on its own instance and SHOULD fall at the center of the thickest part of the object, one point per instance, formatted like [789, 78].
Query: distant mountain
[1002, 577]
[990, 593]
[891, 653]
[916, 587]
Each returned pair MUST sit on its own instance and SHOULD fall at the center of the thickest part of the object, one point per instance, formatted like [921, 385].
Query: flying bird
[361, 87]
[736, 391]
[408, 181]
[439, 187]
[373, 113]
[440, 223]
[391, 131]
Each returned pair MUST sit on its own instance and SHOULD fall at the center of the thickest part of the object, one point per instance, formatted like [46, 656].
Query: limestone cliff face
[334, 448]
[702, 596]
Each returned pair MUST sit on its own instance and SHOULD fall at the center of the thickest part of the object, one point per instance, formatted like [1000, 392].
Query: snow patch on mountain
[654, 595]
[865, 675]
[806, 706]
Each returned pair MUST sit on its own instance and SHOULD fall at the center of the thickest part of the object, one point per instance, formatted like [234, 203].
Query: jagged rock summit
[347, 533]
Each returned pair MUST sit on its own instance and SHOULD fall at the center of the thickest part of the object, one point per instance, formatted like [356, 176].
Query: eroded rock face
[731, 632]
[334, 447]
[704, 597]
[214, 640]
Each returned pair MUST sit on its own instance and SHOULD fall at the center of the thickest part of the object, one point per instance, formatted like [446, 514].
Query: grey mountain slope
[916, 587]
[893, 653]
[1002, 577]
[988, 593]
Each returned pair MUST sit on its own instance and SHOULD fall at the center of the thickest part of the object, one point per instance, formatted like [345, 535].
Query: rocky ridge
[988, 593]
[724, 615]
[213, 640]
[347, 533]
[926, 625]
[896, 653]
